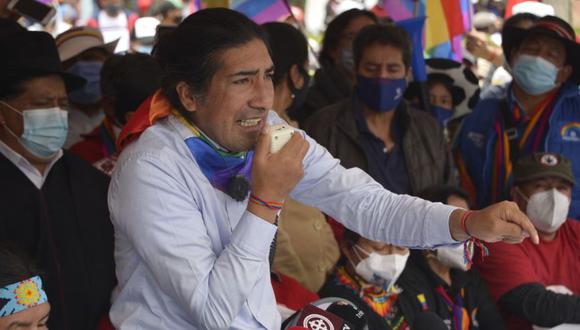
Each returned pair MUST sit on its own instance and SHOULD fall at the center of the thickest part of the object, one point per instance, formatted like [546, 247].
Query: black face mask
[298, 94]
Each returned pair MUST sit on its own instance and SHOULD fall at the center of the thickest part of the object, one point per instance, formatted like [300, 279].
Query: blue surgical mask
[534, 74]
[91, 92]
[45, 130]
[380, 94]
[441, 114]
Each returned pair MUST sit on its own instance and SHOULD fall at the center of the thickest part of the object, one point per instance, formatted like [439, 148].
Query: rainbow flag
[447, 20]
[400, 10]
[261, 11]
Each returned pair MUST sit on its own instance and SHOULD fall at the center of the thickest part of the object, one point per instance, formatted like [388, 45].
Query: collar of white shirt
[25, 167]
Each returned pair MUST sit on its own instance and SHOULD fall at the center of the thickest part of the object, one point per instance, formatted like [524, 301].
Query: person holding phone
[195, 198]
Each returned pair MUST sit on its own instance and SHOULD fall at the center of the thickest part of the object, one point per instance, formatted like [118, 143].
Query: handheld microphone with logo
[428, 321]
[329, 314]
[314, 318]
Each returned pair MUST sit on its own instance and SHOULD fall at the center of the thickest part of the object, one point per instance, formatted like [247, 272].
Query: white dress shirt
[31, 172]
[190, 257]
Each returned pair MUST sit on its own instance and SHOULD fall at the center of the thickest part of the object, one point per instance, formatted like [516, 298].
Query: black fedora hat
[551, 26]
[27, 54]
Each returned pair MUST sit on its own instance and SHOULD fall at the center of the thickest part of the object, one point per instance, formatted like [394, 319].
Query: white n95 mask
[453, 257]
[548, 210]
[380, 270]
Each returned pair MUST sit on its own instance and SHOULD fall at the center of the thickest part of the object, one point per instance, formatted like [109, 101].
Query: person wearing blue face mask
[82, 52]
[375, 129]
[453, 91]
[540, 112]
[53, 204]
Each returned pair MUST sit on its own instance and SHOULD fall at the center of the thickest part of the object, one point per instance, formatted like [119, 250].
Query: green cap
[540, 165]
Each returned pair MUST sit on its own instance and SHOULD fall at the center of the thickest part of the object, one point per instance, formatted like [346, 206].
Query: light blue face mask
[534, 74]
[91, 92]
[45, 130]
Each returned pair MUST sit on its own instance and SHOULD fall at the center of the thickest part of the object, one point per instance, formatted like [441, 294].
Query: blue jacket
[474, 144]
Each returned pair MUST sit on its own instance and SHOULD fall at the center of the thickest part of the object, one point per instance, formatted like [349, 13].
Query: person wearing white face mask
[538, 112]
[520, 277]
[366, 275]
[53, 204]
[442, 281]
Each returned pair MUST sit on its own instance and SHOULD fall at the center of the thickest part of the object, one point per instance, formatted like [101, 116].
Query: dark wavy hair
[288, 46]
[192, 52]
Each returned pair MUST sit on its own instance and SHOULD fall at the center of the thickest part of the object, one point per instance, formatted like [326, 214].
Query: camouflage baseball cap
[541, 165]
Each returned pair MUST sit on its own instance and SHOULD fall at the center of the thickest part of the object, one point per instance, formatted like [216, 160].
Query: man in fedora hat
[83, 51]
[541, 112]
[53, 204]
[539, 284]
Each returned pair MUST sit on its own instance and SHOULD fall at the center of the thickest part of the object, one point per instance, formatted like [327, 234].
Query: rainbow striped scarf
[529, 142]
[218, 165]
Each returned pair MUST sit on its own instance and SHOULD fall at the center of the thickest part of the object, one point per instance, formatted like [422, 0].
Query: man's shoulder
[486, 108]
[422, 118]
[159, 145]
[571, 228]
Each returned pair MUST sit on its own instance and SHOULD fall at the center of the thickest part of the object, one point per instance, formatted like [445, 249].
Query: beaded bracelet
[271, 205]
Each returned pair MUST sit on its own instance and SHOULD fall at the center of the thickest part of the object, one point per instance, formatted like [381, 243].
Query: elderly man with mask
[53, 203]
[541, 113]
[539, 284]
[195, 195]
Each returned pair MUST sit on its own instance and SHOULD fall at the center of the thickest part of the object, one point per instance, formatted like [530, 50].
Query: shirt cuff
[438, 231]
[254, 235]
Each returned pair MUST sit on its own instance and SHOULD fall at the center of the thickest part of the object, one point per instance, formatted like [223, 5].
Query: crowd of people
[140, 190]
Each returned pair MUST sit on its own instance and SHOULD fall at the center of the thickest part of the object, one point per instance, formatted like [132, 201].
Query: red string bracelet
[464, 218]
[470, 244]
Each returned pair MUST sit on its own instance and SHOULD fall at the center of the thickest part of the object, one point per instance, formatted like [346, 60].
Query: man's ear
[513, 55]
[186, 96]
[296, 77]
[409, 75]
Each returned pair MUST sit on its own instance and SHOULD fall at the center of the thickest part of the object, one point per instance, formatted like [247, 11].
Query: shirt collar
[31, 172]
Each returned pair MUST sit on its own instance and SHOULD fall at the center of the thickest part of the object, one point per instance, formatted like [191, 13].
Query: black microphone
[347, 311]
[428, 321]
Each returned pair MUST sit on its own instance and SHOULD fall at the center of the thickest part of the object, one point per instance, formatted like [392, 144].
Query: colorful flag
[404, 9]
[452, 8]
[261, 11]
[467, 13]
[436, 30]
